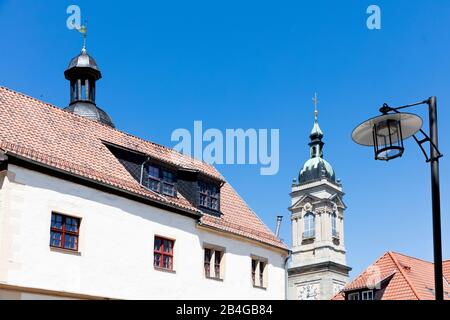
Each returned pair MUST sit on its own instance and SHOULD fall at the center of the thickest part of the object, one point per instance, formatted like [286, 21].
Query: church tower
[318, 267]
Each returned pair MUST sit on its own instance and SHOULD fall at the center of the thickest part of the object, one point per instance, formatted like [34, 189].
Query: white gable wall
[116, 246]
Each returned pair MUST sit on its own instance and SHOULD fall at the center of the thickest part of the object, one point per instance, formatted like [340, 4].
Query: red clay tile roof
[339, 296]
[446, 270]
[50, 136]
[408, 278]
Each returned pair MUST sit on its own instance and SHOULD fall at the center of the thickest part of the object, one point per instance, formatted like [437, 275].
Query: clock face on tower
[308, 292]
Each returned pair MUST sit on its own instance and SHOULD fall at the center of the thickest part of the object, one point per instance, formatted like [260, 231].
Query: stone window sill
[259, 287]
[165, 270]
[67, 251]
[214, 278]
[308, 240]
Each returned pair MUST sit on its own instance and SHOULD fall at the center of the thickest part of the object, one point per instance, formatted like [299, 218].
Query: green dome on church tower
[316, 168]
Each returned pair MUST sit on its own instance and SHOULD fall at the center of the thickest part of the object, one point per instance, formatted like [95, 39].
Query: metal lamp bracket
[424, 140]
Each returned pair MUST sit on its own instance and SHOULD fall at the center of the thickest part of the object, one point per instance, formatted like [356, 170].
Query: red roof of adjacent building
[49, 136]
[400, 277]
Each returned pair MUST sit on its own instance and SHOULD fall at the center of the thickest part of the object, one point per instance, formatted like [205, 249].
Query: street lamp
[386, 134]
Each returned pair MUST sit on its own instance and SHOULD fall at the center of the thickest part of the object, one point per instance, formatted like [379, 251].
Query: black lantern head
[386, 133]
[387, 139]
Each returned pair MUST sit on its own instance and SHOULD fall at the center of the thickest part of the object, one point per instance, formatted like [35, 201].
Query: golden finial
[83, 30]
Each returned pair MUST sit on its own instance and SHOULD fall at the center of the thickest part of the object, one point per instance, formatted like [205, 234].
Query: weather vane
[83, 30]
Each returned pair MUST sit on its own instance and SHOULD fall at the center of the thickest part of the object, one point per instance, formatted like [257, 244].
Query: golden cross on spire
[316, 102]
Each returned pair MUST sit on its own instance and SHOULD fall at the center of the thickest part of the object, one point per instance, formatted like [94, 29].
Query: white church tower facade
[318, 267]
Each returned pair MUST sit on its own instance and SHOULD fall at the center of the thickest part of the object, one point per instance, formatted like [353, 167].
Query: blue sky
[257, 64]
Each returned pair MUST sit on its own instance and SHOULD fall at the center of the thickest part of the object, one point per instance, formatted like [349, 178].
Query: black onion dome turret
[82, 64]
[83, 73]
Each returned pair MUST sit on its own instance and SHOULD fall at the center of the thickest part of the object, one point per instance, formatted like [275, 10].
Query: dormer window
[367, 295]
[160, 180]
[353, 296]
[168, 183]
[209, 196]
[361, 295]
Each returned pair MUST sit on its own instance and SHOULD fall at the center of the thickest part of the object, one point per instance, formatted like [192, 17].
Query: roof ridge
[411, 257]
[360, 275]
[108, 127]
[394, 259]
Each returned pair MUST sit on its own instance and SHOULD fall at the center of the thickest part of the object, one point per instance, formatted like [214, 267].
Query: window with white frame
[309, 226]
[213, 263]
[334, 232]
[367, 295]
[353, 296]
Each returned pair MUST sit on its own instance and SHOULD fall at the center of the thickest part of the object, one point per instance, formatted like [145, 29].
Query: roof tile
[410, 278]
[50, 136]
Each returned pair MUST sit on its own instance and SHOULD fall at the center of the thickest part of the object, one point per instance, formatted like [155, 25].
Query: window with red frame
[163, 253]
[64, 232]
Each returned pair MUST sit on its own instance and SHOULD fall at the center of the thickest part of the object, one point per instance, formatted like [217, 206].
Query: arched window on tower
[334, 232]
[309, 231]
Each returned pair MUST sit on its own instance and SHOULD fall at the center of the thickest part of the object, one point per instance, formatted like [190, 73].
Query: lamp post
[386, 134]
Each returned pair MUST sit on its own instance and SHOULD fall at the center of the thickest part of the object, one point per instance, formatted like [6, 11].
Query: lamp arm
[427, 139]
[385, 109]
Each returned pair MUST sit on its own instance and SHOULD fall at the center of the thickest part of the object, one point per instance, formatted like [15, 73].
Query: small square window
[353, 296]
[55, 239]
[154, 184]
[64, 232]
[163, 253]
[160, 180]
[168, 176]
[209, 196]
[367, 295]
[153, 172]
